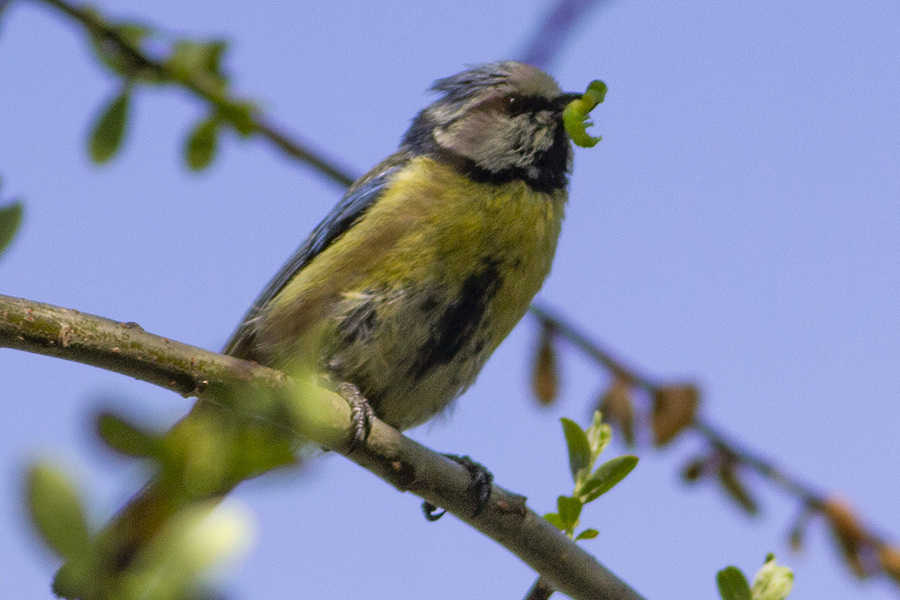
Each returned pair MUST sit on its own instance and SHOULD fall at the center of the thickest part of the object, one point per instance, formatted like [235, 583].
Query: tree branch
[865, 551]
[127, 349]
[207, 91]
[550, 36]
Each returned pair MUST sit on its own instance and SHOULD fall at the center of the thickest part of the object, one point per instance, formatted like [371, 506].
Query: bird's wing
[342, 217]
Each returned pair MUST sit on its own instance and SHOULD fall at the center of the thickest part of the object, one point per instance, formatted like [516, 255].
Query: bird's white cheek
[478, 136]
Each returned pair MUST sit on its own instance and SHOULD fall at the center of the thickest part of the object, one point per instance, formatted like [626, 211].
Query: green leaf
[10, 220]
[240, 114]
[569, 511]
[109, 129]
[68, 582]
[133, 32]
[79, 577]
[174, 563]
[606, 477]
[555, 520]
[56, 511]
[598, 434]
[126, 438]
[119, 60]
[733, 584]
[579, 449]
[201, 145]
[587, 534]
[772, 582]
[190, 60]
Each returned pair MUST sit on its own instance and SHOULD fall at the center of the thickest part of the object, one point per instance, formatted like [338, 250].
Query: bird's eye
[515, 105]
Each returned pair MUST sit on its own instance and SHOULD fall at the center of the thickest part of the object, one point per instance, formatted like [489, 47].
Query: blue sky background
[737, 226]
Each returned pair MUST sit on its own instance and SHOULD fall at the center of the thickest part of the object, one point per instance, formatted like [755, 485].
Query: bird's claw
[481, 482]
[361, 414]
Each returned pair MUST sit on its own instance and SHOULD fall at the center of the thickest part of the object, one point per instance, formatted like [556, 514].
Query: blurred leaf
[569, 511]
[259, 448]
[202, 143]
[214, 450]
[10, 220]
[674, 407]
[606, 477]
[176, 560]
[795, 538]
[733, 584]
[618, 407]
[190, 60]
[121, 60]
[587, 534]
[240, 114]
[798, 530]
[579, 448]
[69, 582]
[109, 129]
[56, 511]
[694, 469]
[555, 520]
[133, 32]
[545, 377]
[772, 581]
[126, 438]
[889, 557]
[735, 488]
[848, 532]
[598, 434]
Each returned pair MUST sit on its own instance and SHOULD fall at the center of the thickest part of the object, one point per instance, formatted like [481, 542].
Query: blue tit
[406, 288]
[432, 257]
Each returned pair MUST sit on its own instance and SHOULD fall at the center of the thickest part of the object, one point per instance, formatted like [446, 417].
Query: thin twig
[789, 483]
[855, 539]
[551, 35]
[207, 91]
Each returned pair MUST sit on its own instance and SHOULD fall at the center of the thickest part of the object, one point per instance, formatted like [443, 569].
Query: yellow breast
[413, 298]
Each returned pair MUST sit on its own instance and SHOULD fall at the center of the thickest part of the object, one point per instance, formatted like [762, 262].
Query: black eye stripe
[517, 105]
[514, 104]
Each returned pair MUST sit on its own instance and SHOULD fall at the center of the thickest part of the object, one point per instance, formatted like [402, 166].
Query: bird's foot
[361, 414]
[480, 483]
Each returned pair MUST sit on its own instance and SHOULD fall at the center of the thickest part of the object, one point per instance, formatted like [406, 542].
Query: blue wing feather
[342, 217]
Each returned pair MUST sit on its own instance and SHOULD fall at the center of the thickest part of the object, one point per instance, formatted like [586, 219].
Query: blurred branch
[865, 552]
[127, 349]
[553, 32]
[204, 88]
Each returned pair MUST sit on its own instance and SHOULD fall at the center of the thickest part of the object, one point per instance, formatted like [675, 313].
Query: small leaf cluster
[194, 463]
[122, 47]
[625, 399]
[771, 582]
[204, 455]
[628, 398]
[585, 447]
[172, 567]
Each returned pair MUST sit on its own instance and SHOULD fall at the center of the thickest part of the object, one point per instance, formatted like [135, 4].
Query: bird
[432, 257]
[399, 296]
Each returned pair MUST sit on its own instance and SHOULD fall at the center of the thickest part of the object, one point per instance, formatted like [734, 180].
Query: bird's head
[498, 122]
